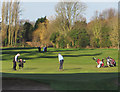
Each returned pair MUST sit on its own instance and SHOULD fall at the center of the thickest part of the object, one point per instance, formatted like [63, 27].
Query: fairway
[76, 60]
[79, 68]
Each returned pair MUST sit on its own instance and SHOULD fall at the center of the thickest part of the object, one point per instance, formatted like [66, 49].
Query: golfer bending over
[61, 60]
[15, 60]
[99, 62]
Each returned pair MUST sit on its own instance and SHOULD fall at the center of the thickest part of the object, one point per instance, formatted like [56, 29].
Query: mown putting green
[79, 68]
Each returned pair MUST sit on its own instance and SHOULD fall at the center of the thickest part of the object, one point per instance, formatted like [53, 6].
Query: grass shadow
[70, 55]
[83, 55]
[63, 50]
[47, 56]
[10, 54]
[79, 81]
[15, 52]
[18, 48]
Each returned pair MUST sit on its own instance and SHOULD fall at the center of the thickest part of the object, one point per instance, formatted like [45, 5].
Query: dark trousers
[39, 49]
[61, 64]
[14, 65]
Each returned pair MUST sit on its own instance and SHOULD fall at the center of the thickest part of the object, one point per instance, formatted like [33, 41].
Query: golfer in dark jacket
[15, 60]
[39, 49]
[61, 60]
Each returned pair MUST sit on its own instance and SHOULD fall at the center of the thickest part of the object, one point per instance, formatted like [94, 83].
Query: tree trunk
[9, 29]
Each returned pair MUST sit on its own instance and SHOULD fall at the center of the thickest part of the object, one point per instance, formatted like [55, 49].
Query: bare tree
[10, 18]
[17, 12]
[3, 32]
[68, 13]
[9, 29]
[6, 13]
[12, 22]
[3, 16]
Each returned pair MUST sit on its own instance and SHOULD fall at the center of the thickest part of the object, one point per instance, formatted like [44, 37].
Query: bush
[96, 43]
[54, 37]
[62, 43]
[70, 44]
[80, 37]
[105, 41]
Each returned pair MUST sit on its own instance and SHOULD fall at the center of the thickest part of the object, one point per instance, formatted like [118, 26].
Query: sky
[34, 10]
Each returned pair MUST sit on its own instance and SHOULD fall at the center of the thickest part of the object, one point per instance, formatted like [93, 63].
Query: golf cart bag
[110, 62]
[21, 63]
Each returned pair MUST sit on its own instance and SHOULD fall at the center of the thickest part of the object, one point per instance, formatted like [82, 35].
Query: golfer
[61, 60]
[99, 62]
[39, 49]
[15, 60]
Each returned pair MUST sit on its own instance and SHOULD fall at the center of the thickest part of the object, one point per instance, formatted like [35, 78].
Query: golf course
[80, 71]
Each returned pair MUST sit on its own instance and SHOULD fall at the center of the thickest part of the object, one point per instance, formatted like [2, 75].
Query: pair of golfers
[60, 57]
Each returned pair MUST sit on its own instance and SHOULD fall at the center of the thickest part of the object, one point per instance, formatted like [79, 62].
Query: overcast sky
[34, 10]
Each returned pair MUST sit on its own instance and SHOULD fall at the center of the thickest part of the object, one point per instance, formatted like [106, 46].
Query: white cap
[18, 54]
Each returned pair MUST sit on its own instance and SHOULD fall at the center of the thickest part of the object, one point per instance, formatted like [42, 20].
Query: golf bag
[110, 62]
[21, 63]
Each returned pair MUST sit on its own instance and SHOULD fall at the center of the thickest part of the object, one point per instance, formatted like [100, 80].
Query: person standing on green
[61, 61]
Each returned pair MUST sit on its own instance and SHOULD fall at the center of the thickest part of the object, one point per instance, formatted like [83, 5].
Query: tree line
[10, 22]
[67, 29]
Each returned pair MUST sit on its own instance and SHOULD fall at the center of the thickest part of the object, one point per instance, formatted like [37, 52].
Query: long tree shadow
[18, 48]
[63, 50]
[29, 58]
[10, 54]
[79, 81]
[70, 55]
[15, 52]
[12, 57]
[69, 50]
[6, 55]
[83, 55]
[31, 52]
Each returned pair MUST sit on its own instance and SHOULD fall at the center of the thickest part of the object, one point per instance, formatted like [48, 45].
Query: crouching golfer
[61, 60]
[15, 60]
[99, 62]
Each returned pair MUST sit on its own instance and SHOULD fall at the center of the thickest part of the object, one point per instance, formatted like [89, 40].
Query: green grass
[79, 68]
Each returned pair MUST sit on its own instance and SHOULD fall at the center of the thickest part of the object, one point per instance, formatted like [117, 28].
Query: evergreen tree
[39, 20]
[28, 29]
